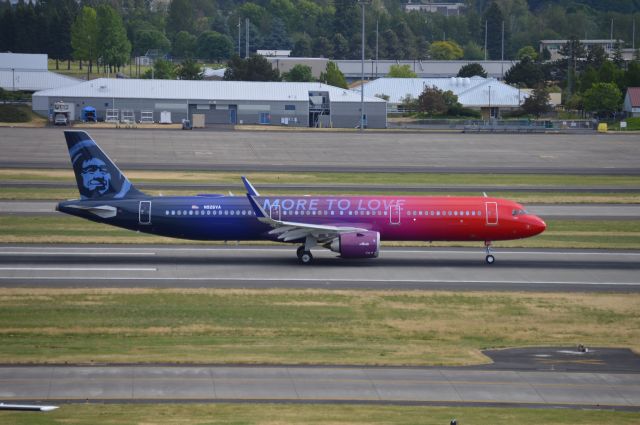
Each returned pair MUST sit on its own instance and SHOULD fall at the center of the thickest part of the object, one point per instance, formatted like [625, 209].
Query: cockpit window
[519, 212]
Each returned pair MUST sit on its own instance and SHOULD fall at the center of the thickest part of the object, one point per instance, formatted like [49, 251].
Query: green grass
[278, 414]
[610, 234]
[301, 326]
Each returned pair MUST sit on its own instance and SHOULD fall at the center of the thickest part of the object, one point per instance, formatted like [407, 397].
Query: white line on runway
[73, 253]
[82, 269]
[324, 280]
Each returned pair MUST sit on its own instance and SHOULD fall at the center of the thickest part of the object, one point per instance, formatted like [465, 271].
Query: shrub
[13, 113]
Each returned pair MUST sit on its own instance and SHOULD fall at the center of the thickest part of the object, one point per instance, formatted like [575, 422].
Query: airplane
[352, 226]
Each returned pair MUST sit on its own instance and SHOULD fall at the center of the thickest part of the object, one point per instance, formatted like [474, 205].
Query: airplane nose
[537, 226]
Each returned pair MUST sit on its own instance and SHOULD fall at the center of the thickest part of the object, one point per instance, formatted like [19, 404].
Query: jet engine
[356, 244]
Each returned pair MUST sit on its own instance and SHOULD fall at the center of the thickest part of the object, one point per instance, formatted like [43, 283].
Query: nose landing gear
[489, 259]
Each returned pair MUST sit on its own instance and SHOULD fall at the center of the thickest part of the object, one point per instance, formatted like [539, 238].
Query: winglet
[257, 209]
[251, 191]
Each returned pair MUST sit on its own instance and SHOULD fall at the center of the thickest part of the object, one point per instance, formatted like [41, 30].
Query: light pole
[13, 77]
[362, 3]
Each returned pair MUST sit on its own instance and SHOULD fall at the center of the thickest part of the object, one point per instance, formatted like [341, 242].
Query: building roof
[471, 92]
[32, 80]
[423, 69]
[23, 61]
[202, 90]
[634, 96]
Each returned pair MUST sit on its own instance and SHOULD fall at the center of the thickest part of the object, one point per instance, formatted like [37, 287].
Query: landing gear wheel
[300, 251]
[490, 259]
[306, 258]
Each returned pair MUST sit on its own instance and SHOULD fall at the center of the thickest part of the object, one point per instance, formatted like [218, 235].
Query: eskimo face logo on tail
[96, 177]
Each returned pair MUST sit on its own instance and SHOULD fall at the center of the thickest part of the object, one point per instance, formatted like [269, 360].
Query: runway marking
[73, 253]
[82, 269]
[325, 280]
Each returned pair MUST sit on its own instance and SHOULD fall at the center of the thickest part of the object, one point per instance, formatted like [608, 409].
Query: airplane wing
[287, 231]
[27, 407]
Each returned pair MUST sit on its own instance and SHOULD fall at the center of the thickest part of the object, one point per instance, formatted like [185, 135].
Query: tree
[323, 47]
[184, 45]
[253, 68]
[113, 44]
[527, 51]
[472, 51]
[150, 39]
[471, 70]
[162, 70]
[432, 101]
[189, 70]
[341, 46]
[214, 46]
[538, 103]
[302, 47]
[84, 36]
[596, 56]
[494, 19]
[333, 76]
[179, 16]
[401, 71]
[277, 37]
[445, 50]
[525, 73]
[602, 98]
[299, 73]
[616, 56]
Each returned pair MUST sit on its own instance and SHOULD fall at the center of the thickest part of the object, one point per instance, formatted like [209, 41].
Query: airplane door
[274, 212]
[492, 213]
[144, 212]
[394, 214]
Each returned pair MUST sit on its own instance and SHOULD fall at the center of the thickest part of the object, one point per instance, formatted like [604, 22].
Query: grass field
[290, 414]
[301, 326]
[610, 234]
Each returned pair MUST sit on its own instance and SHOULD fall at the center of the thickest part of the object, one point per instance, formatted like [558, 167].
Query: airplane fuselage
[401, 218]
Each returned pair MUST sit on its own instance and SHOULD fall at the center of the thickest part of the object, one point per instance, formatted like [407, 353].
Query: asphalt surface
[384, 385]
[340, 188]
[334, 151]
[96, 266]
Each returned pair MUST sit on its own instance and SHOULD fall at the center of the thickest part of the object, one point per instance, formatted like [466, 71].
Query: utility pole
[246, 41]
[485, 40]
[239, 35]
[377, 20]
[502, 54]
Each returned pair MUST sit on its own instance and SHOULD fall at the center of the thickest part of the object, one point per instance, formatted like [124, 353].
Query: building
[554, 46]
[219, 102]
[632, 102]
[442, 8]
[487, 95]
[28, 72]
[352, 69]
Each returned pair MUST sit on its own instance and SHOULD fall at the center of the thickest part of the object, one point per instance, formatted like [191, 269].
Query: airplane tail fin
[96, 175]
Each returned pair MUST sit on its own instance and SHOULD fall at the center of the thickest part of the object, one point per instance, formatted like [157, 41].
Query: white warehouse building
[487, 95]
[218, 102]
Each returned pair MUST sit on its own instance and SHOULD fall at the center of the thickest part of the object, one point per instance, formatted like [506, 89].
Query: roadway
[463, 269]
[384, 151]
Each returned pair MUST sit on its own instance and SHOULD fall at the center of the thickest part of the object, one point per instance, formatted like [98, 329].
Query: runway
[334, 151]
[96, 266]
[420, 386]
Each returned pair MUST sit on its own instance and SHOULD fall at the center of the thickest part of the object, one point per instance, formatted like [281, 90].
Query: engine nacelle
[357, 244]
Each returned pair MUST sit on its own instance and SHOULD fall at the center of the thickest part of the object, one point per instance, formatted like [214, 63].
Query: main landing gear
[489, 259]
[304, 256]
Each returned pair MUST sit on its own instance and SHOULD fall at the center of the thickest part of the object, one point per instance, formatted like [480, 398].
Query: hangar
[217, 102]
[488, 95]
